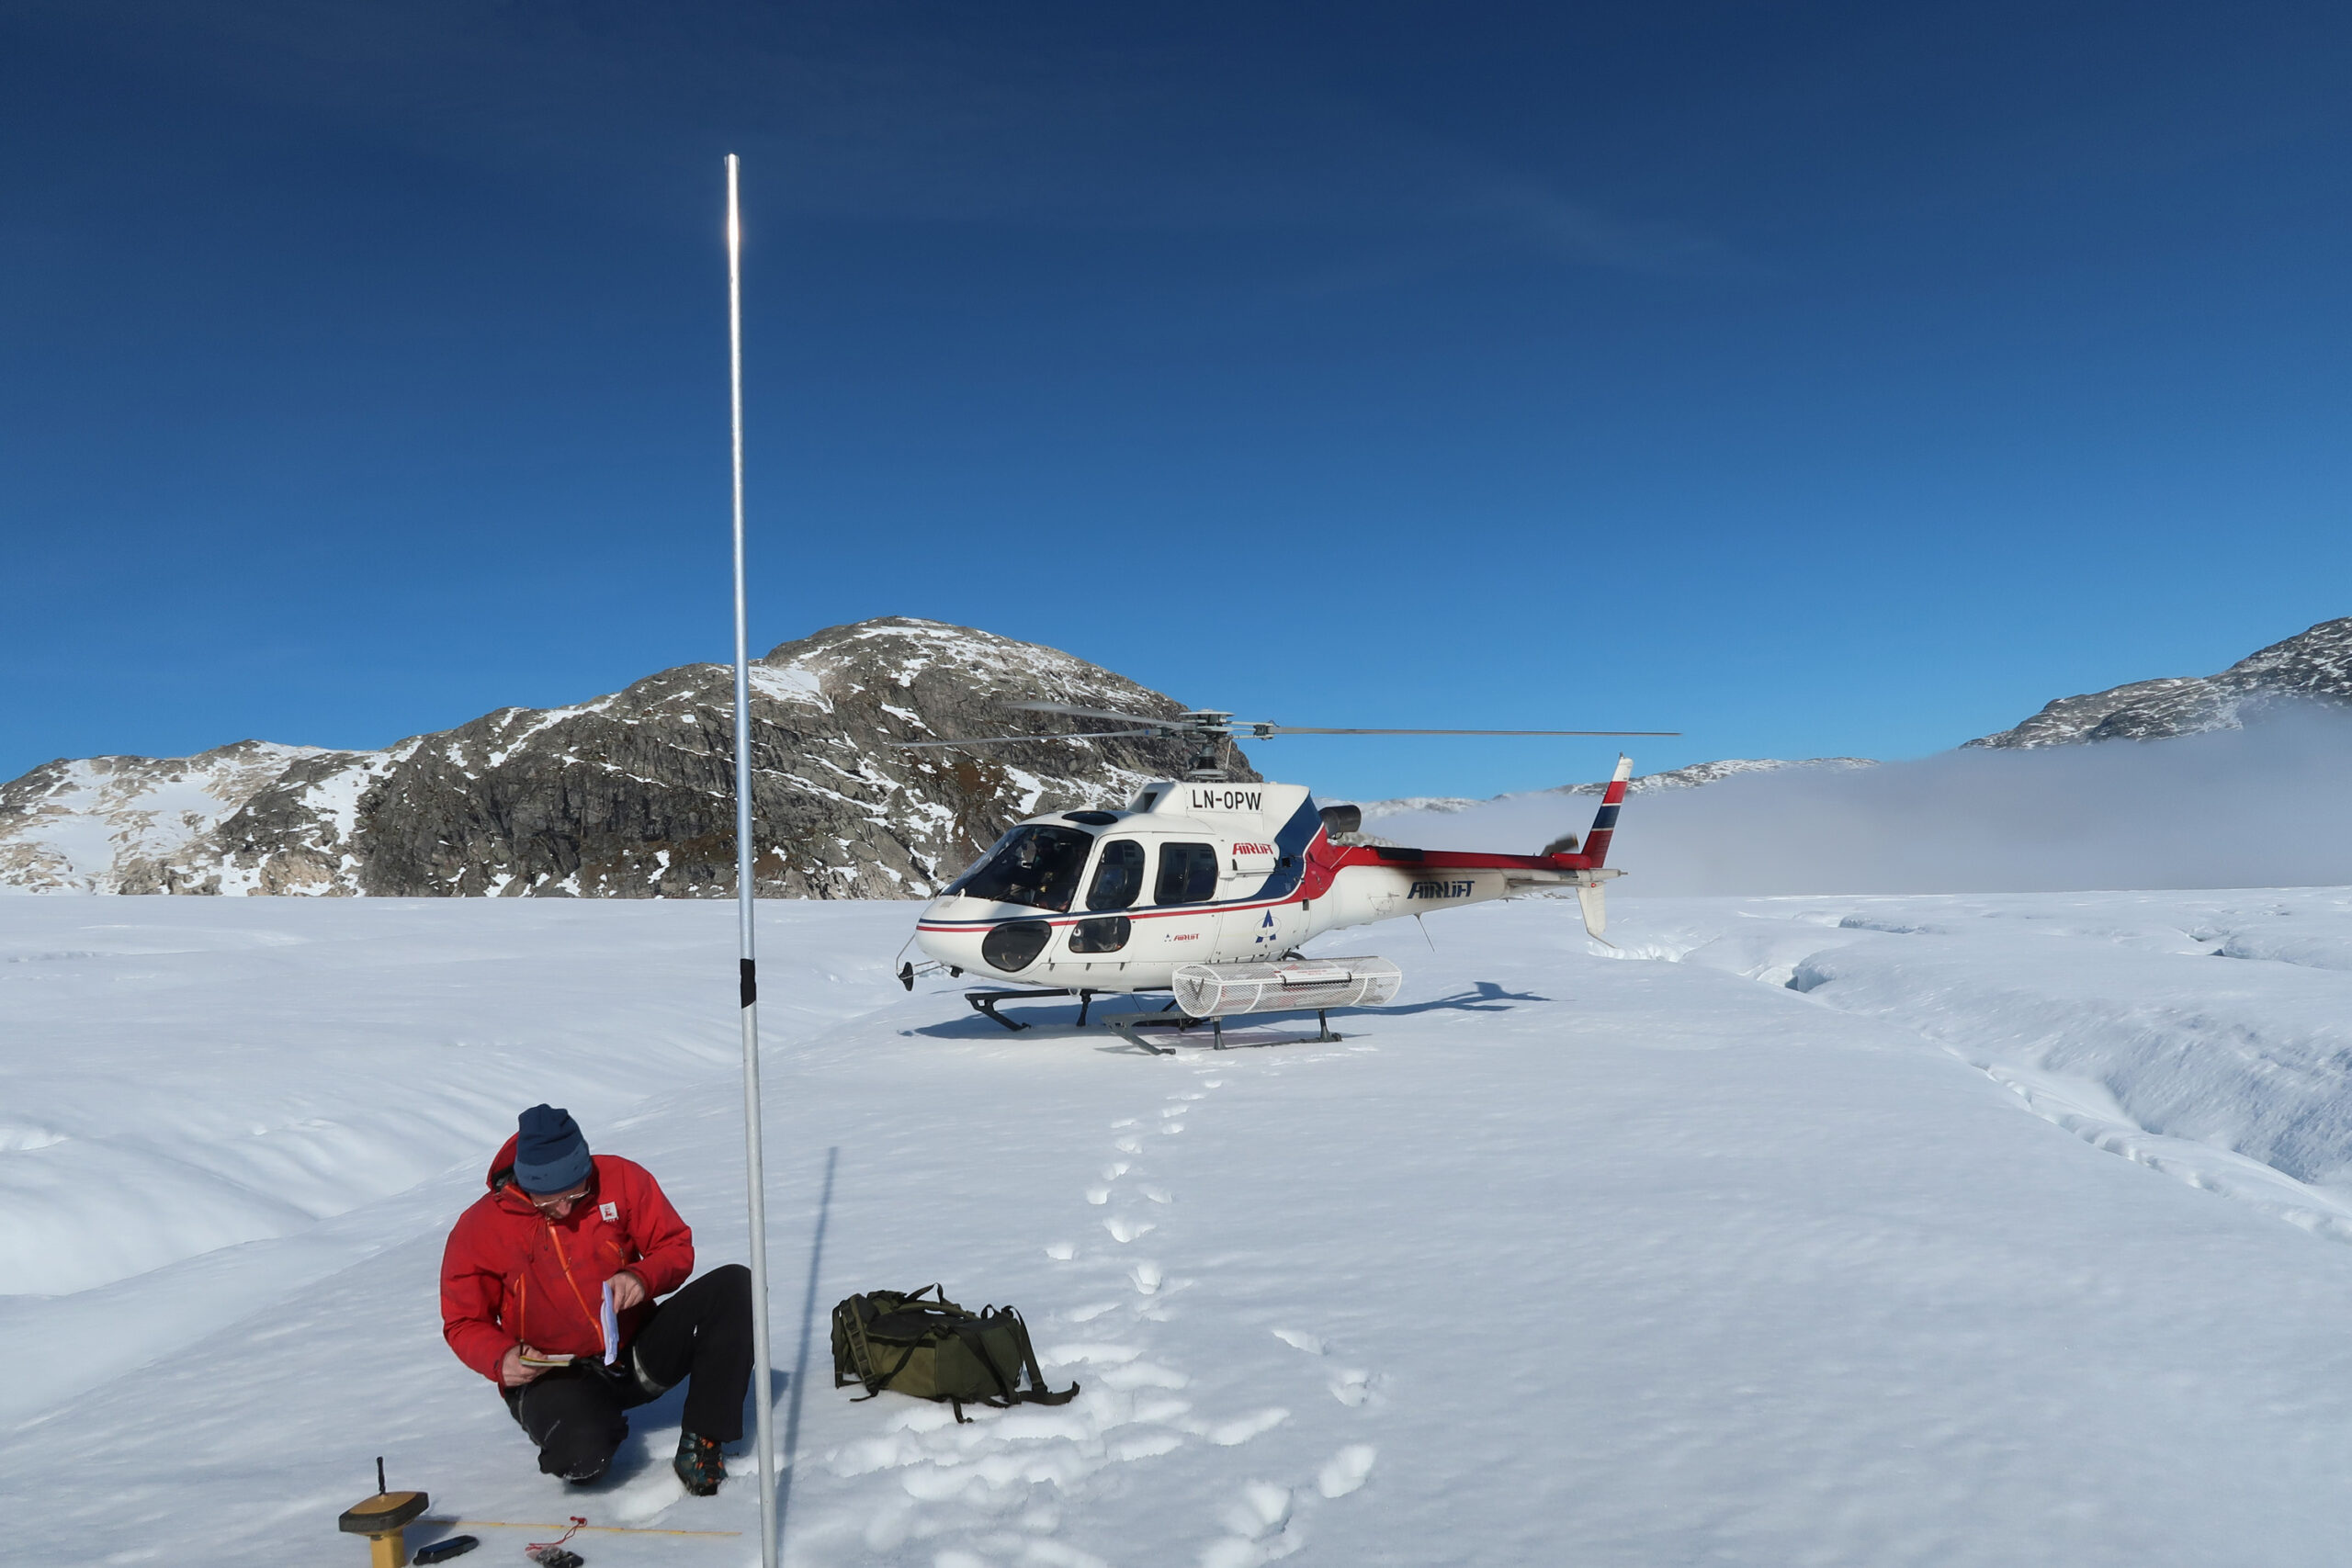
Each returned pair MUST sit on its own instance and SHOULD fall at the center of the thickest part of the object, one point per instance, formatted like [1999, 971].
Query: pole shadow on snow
[797, 1379]
[636, 1456]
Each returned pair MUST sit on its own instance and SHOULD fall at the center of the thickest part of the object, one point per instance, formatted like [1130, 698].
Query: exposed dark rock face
[2315, 665]
[627, 795]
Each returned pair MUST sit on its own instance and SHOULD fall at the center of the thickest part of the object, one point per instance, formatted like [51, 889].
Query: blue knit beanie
[549, 1153]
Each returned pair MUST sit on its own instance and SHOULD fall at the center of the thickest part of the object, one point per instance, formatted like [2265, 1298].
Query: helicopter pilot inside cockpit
[1037, 866]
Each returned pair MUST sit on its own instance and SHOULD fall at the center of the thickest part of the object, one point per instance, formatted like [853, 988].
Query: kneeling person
[523, 1280]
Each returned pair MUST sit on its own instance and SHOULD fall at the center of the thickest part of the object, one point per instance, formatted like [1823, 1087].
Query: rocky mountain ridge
[2312, 665]
[630, 795]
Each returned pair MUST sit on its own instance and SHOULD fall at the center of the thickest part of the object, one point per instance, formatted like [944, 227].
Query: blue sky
[1832, 379]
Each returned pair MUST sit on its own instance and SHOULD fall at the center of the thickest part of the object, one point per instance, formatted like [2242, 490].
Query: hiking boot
[699, 1465]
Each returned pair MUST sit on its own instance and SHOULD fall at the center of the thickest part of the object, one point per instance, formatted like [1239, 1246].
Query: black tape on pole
[751, 982]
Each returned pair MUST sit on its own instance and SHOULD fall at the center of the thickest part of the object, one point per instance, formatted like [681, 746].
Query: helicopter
[1205, 887]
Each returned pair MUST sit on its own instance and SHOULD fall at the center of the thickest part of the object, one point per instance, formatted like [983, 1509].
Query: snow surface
[1788, 1233]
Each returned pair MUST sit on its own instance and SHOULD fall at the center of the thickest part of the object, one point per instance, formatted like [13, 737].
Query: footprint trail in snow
[995, 1490]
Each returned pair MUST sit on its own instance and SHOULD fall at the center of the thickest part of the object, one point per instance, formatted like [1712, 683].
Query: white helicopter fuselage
[1202, 872]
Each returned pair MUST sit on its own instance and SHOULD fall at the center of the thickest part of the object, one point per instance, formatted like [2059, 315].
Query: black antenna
[380, 1475]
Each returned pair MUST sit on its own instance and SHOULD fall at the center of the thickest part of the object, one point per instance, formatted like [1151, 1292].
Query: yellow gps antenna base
[384, 1520]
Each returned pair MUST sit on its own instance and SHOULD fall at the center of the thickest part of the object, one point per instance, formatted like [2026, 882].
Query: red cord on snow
[551, 1553]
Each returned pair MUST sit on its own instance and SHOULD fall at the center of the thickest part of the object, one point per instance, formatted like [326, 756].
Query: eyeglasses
[545, 1200]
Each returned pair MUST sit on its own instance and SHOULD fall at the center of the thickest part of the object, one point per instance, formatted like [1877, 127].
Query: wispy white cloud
[1578, 232]
[874, 113]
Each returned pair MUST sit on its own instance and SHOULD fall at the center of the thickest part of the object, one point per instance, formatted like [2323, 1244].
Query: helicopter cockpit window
[1037, 866]
[1187, 874]
[1118, 876]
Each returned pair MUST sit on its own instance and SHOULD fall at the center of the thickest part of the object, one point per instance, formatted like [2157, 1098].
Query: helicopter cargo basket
[1296, 985]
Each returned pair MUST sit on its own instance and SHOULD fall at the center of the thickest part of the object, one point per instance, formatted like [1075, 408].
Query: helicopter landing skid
[988, 1001]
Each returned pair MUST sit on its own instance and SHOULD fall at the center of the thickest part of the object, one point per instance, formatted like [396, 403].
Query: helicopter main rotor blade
[1005, 739]
[1094, 713]
[1261, 731]
[1240, 729]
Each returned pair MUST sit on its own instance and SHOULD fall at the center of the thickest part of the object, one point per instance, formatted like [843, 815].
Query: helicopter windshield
[1037, 866]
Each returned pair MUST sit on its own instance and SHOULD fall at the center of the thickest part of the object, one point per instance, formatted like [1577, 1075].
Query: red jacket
[511, 1276]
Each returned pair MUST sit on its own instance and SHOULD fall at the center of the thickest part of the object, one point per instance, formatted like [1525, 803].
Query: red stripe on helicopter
[1452, 859]
[1322, 855]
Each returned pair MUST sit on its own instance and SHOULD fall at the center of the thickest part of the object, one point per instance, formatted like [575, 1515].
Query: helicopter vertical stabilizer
[1604, 821]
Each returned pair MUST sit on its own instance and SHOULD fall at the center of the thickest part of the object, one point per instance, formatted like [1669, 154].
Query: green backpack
[936, 1349]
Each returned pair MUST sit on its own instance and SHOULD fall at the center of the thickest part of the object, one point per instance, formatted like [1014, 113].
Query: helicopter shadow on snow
[1484, 996]
[1243, 1031]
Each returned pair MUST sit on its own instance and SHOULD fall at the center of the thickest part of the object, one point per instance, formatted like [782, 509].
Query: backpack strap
[972, 1332]
[938, 1301]
[862, 1355]
[875, 1383]
[969, 1329]
[852, 1334]
[1037, 1393]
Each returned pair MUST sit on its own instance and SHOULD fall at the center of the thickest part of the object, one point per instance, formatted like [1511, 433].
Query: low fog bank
[2270, 805]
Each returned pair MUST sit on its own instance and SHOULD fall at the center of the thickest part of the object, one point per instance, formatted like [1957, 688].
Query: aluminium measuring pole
[755, 1175]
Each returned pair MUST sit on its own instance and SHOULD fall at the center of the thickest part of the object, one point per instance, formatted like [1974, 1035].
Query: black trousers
[700, 1337]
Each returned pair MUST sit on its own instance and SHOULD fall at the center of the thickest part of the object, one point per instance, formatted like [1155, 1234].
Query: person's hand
[511, 1370]
[627, 1290]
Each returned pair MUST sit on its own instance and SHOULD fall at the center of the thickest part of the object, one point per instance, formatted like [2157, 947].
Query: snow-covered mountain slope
[1691, 777]
[628, 795]
[1792, 1232]
[129, 824]
[2313, 664]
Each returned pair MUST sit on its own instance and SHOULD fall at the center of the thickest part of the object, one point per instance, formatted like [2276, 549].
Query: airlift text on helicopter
[1207, 889]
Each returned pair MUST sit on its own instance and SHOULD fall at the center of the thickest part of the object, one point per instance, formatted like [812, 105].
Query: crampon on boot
[699, 1465]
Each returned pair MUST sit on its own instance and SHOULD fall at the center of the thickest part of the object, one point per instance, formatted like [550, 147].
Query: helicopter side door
[1113, 885]
[1186, 873]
